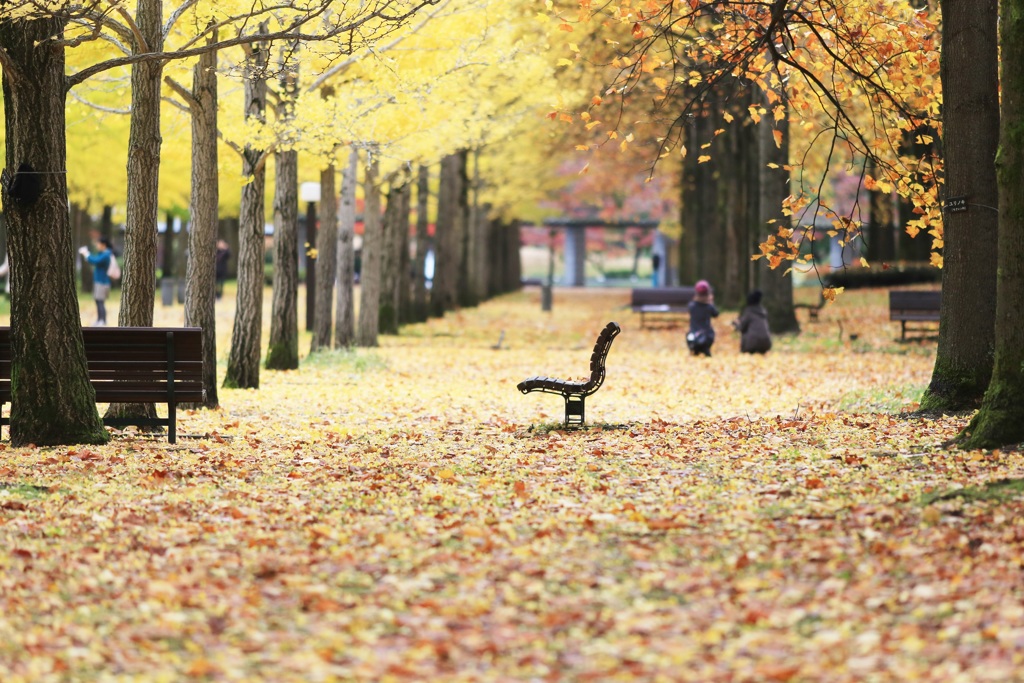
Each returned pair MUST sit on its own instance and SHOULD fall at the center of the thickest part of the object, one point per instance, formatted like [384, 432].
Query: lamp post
[310, 193]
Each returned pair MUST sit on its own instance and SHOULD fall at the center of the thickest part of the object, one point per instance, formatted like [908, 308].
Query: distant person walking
[100, 278]
[753, 326]
[702, 309]
[221, 266]
[655, 266]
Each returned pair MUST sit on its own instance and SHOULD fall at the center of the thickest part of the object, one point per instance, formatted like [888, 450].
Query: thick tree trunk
[448, 249]
[970, 112]
[244, 357]
[1001, 418]
[283, 348]
[419, 276]
[138, 283]
[283, 351]
[344, 324]
[53, 402]
[200, 286]
[774, 188]
[373, 243]
[394, 224]
[326, 260]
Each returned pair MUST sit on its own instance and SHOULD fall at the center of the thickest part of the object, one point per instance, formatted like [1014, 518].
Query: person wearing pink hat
[702, 309]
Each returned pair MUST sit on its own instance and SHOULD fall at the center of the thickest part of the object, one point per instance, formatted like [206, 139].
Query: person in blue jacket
[100, 279]
[702, 309]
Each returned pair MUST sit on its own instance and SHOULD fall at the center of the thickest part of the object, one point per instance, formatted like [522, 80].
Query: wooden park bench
[914, 306]
[661, 301]
[575, 393]
[133, 365]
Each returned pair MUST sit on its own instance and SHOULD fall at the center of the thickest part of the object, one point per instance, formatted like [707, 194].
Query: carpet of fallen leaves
[404, 514]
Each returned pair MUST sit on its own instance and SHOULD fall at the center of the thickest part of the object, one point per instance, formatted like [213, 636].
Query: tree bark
[200, 286]
[448, 249]
[472, 268]
[774, 188]
[283, 349]
[244, 357]
[283, 352]
[970, 110]
[404, 258]
[373, 242]
[391, 277]
[1000, 420]
[344, 324]
[419, 278]
[53, 402]
[326, 260]
[138, 283]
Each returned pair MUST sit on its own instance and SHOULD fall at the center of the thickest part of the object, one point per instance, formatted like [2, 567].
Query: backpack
[113, 270]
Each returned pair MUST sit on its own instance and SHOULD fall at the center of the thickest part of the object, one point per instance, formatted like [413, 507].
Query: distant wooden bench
[660, 301]
[133, 365]
[914, 306]
[574, 393]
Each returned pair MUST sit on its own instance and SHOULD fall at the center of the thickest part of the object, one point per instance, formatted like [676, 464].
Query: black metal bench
[133, 365]
[661, 301]
[914, 306]
[574, 393]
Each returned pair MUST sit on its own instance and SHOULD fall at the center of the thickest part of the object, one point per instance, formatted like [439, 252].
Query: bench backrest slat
[924, 300]
[133, 361]
[600, 355]
[661, 296]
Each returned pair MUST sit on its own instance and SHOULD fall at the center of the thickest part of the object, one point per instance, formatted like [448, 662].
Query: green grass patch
[355, 361]
[999, 490]
[890, 399]
[24, 490]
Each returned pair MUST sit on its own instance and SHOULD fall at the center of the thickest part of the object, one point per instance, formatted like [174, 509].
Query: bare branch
[99, 107]
[173, 19]
[183, 92]
[140, 42]
[291, 33]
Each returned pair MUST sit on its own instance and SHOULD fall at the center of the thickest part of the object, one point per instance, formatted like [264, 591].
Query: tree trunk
[344, 324]
[419, 277]
[774, 188]
[1001, 418]
[283, 352]
[200, 286]
[283, 349]
[53, 402]
[405, 259]
[138, 283]
[373, 242]
[326, 260]
[970, 107]
[244, 358]
[391, 277]
[448, 249]
[167, 267]
[469, 288]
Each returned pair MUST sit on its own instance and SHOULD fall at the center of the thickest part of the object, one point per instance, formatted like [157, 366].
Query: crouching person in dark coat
[753, 326]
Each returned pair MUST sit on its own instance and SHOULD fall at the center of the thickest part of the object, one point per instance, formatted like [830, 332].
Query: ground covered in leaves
[404, 514]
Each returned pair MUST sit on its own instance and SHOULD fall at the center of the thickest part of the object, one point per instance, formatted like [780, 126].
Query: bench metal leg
[574, 411]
